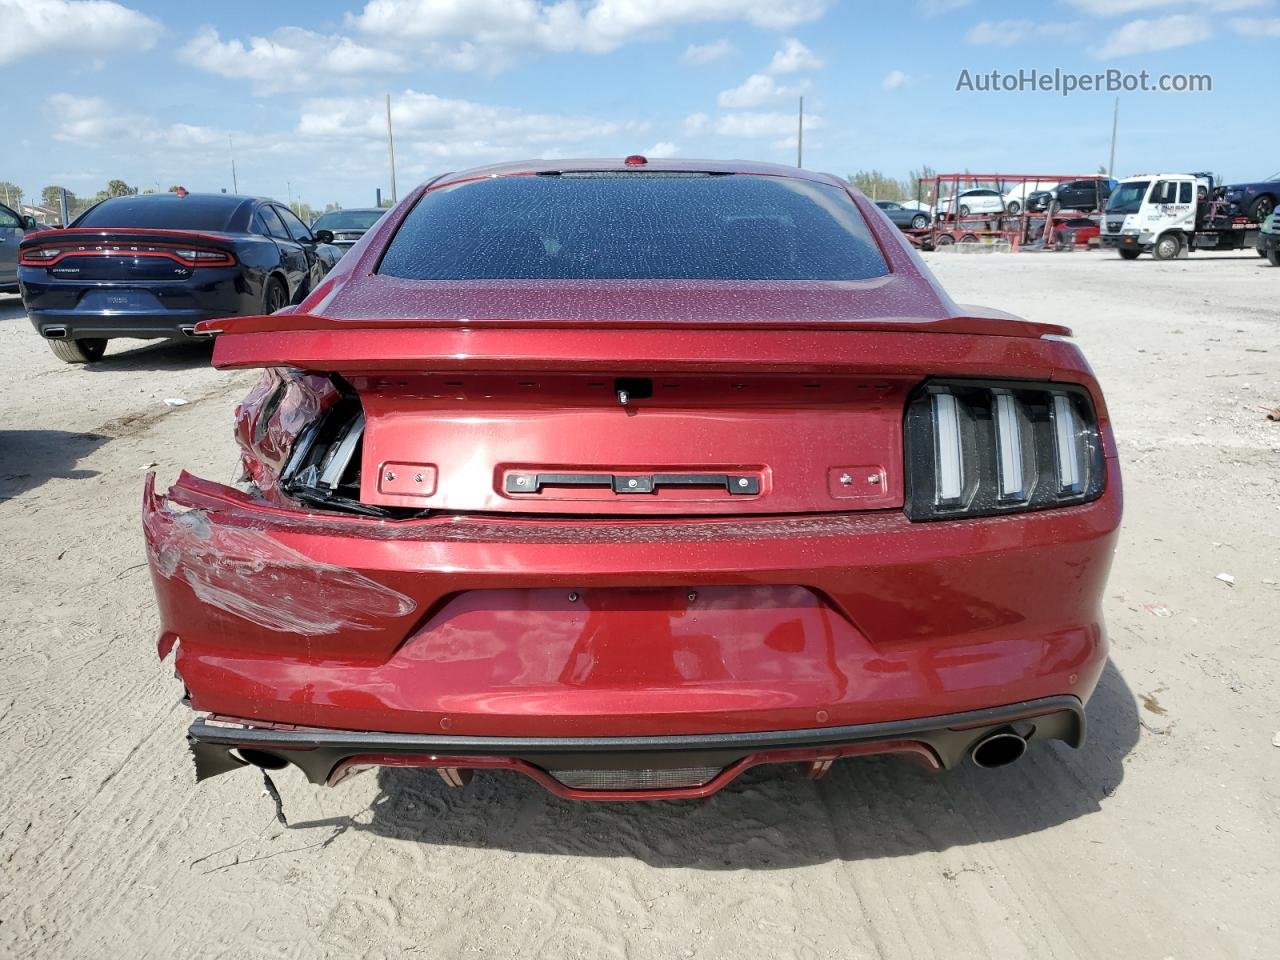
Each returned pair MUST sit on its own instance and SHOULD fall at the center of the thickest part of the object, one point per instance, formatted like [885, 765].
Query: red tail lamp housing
[189, 256]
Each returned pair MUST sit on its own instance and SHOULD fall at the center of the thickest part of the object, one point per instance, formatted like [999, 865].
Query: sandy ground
[1158, 840]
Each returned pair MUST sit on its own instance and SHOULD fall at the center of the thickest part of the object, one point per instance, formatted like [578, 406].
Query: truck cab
[1166, 213]
[1154, 213]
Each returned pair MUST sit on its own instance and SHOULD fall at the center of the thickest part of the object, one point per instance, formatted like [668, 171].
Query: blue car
[1256, 201]
[156, 265]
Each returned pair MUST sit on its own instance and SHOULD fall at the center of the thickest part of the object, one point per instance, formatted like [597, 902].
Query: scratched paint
[248, 573]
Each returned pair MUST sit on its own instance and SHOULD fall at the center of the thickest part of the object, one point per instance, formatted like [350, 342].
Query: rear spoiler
[354, 347]
[131, 235]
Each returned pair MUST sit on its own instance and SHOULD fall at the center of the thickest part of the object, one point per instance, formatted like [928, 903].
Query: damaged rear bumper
[625, 768]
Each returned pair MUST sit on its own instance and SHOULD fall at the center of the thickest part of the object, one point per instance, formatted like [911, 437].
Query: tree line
[880, 186]
[11, 195]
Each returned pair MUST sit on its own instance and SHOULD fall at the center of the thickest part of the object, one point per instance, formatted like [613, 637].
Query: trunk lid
[622, 418]
[126, 255]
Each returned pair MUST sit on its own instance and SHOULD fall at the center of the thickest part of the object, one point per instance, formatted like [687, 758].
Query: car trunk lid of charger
[628, 413]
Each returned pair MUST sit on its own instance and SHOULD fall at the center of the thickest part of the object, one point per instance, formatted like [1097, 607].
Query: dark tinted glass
[631, 226]
[163, 211]
[296, 226]
[348, 220]
[270, 223]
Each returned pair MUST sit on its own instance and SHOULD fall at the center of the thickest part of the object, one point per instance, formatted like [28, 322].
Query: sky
[166, 93]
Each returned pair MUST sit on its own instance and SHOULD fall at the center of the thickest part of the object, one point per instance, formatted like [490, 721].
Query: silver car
[12, 228]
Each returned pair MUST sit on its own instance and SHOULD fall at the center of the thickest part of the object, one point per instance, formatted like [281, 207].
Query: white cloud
[756, 91]
[290, 59]
[593, 26]
[700, 53]
[662, 149]
[895, 80]
[1148, 36]
[89, 121]
[390, 35]
[752, 125]
[1008, 33]
[429, 127]
[30, 28]
[339, 139]
[1257, 27]
[1120, 8]
[935, 8]
[794, 57]
[696, 123]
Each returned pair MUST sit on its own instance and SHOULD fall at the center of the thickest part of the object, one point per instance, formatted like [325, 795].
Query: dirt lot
[1158, 840]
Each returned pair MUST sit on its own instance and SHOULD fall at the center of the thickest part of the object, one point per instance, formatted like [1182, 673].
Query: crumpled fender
[282, 404]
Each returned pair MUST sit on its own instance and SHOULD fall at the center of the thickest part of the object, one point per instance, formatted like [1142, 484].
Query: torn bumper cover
[334, 642]
[625, 768]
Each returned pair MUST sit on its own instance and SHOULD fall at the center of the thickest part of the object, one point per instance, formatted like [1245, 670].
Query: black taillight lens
[983, 448]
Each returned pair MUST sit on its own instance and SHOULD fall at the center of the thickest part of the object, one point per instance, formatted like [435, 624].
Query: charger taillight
[48, 255]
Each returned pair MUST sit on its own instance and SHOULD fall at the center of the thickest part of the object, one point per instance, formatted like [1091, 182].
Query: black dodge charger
[158, 264]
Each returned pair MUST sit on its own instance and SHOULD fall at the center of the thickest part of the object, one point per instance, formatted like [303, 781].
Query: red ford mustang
[629, 476]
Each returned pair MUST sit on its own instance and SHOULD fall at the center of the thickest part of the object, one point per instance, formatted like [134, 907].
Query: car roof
[651, 165]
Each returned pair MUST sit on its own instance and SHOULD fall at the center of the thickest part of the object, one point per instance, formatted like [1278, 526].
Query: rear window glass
[348, 220]
[163, 212]
[635, 226]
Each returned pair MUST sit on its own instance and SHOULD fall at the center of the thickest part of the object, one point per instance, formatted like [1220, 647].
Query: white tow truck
[1166, 213]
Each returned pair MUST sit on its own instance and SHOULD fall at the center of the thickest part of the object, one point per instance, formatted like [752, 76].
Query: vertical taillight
[983, 448]
[1066, 445]
[950, 463]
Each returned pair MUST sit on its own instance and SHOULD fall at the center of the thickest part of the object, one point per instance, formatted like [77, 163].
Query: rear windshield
[635, 226]
[164, 212]
[348, 220]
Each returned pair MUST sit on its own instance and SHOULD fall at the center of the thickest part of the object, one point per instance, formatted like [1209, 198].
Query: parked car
[1269, 239]
[904, 217]
[156, 265]
[13, 227]
[1255, 201]
[1079, 230]
[976, 201]
[1087, 196]
[348, 226]
[1016, 199]
[629, 476]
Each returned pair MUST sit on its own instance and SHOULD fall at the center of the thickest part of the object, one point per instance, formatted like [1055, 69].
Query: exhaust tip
[998, 749]
[54, 333]
[188, 330]
[260, 758]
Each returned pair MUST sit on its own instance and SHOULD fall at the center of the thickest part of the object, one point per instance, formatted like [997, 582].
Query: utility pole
[1115, 121]
[288, 186]
[231, 148]
[800, 136]
[391, 151]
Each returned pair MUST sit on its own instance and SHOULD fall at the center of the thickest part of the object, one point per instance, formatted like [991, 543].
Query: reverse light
[981, 448]
[1068, 451]
[1010, 432]
[946, 430]
[39, 256]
